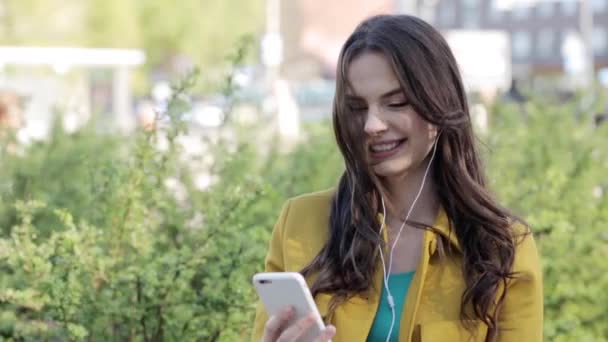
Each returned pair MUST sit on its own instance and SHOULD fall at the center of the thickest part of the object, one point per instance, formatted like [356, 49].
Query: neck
[402, 191]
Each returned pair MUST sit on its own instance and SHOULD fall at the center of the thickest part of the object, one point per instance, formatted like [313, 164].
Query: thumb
[327, 334]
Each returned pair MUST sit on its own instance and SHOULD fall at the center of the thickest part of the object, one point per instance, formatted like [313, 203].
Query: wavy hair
[428, 74]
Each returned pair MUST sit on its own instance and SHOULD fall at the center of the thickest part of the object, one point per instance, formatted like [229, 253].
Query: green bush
[552, 168]
[105, 237]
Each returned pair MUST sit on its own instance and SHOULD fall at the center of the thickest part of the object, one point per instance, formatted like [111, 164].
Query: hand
[277, 330]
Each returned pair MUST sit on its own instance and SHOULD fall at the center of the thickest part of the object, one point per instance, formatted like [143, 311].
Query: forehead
[370, 75]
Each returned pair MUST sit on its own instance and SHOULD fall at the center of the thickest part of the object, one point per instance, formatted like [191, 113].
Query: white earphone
[386, 275]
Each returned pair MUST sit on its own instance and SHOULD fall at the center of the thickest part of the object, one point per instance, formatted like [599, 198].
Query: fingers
[276, 324]
[327, 334]
[298, 329]
[276, 329]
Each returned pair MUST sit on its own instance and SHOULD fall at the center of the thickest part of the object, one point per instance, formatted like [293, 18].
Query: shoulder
[303, 226]
[522, 312]
[527, 279]
[307, 212]
[315, 203]
[526, 253]
[525, 243]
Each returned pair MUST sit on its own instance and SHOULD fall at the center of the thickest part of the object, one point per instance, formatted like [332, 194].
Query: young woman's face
[398, 139]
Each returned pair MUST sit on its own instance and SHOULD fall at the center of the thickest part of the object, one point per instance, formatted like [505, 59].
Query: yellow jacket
[432, 306]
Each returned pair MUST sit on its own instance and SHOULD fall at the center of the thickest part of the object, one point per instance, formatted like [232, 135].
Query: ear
[439, 131]
[434, 131]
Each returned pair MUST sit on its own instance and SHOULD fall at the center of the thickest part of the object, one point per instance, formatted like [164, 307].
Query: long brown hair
[428, 74]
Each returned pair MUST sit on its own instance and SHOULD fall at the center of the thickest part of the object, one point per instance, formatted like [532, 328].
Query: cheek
[425, 135]
[424, 128]
[404, 122]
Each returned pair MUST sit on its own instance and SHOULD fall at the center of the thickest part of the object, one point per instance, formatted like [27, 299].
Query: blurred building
[74, 82]
[539, 30]
[494, 41]
[313, 32]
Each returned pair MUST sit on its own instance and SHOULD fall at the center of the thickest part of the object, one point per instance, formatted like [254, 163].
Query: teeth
[383, 147]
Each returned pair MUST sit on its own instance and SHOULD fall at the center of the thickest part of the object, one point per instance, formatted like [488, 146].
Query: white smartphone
[277, 290]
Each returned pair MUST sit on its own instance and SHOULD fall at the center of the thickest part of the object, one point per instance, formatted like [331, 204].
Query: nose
[373, 123]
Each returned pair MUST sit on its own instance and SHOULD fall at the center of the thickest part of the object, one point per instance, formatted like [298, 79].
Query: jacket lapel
[443, 227]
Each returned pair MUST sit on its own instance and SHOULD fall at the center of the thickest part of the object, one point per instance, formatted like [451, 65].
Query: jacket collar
[444, 227]
[441, 226]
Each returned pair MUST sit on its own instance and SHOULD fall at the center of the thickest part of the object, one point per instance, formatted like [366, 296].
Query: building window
[569, 6]
[546, 41]
[600, 41]
[447, 13]
[545, 9]
[520, 44]
[470, 14]
[520, 11]
[599, 5]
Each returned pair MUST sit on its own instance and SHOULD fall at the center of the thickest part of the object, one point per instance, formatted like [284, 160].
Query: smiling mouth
[385, 147]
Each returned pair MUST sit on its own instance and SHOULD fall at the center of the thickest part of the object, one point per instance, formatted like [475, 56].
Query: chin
[389, 170]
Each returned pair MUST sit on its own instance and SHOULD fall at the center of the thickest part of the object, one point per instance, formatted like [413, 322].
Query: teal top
[398, 283]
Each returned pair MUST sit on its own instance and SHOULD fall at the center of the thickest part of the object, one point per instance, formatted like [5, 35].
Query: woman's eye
[398, 104]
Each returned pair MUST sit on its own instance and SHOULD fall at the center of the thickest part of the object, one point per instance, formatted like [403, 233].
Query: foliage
[551, 167]
[107, 237]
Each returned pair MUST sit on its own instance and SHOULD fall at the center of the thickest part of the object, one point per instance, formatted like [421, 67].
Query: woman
[410, 246]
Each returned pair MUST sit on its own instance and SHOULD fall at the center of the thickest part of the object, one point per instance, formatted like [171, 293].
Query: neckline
[401, 274]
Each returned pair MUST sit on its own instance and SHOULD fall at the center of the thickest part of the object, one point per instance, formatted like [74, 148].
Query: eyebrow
[385, 95]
